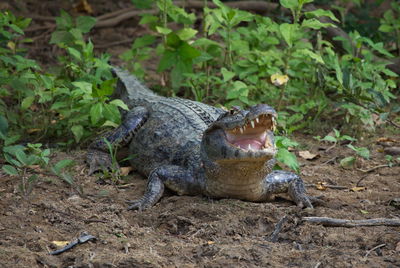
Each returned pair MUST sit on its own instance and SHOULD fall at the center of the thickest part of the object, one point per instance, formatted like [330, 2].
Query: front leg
[280, 181]
[98, 156]
[175, 178]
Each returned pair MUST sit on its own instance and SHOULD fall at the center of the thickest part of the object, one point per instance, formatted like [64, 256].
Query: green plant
[66, 104]
[350, 160]
[22, 160]
[392, 161]
[284, 155]
[390, 24]
[338, 137]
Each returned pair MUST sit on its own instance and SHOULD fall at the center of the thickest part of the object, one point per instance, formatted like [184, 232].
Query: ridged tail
[129, 87]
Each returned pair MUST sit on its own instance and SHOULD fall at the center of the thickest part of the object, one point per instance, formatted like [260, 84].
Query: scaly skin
[193, 148]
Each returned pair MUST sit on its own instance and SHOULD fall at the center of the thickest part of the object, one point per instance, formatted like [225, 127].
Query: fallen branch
[374, 248]
[332, 222]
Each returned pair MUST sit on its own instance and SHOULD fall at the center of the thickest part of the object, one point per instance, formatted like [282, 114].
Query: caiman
[196, 149]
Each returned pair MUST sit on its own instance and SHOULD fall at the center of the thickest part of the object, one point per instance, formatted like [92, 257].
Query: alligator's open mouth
[253, 134]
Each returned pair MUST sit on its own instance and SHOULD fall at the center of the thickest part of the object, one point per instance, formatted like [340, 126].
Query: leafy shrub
[66, 103]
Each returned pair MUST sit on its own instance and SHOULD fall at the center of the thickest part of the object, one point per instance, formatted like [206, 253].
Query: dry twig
[372, 169]
[374, 248]
[332, 222]
[278, 229]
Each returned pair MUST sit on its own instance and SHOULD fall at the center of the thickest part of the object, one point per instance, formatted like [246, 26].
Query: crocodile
[196, 149]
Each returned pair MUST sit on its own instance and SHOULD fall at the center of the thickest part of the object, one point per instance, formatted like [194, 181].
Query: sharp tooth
[252, 124]
[241, 130]
[257, 120]
[244, 127]
[250, 147]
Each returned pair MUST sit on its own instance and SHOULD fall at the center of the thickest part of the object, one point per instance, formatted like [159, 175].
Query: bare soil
[186, 231]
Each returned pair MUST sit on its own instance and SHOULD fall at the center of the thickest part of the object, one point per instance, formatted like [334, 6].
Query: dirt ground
[185, 231]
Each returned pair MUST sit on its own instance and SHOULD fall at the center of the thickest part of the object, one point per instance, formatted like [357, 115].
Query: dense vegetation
[234, 58]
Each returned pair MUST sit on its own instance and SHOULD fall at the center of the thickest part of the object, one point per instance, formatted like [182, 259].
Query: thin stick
[330, 160]
[372, 169]
[278, 229]
[337, 187]
[332, 222]
[374, 248]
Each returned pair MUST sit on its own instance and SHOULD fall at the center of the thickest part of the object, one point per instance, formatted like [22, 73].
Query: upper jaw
[254, 134]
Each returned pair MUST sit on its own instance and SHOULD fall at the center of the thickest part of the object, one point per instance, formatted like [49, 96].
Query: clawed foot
[303, 201]
[98, 160]
[138, 204]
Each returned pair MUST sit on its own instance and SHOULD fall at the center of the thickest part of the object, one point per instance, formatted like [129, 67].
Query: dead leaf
[279, 79]
[321, 186]
[358, 189]
[84, 7]
[124, 171]
[210, 242]
[60, 243]
[308, 155]
[35, 167]
[364, 211]
[385, 139]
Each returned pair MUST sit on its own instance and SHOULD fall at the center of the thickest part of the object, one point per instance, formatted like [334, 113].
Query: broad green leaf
[120, 104]
[163, 30]
[148, 19]
[64, 21]
[22, 157]
[321, 13]
[13, 149]
[108, 123]
[59, 37]
[187, 51]
[83, 86]
[386, 28]
[10, 170]
[228, 75]
[74, 53]
[290, 4]
[16, 29]
[302, 2]
[111, 113]
[186, 33]
[62, 164]
[96, 113]
[287, 30]
[329, 138]
[312, 55]
[288, 158]
[143, 41]
[337, 133]
[363, 152]
[316, 24]
[348, 162]
[85, 23]
[168, 59]
[77, 130]
[67, 178]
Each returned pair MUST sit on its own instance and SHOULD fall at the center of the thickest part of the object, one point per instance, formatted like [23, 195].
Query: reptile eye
[234, 110]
